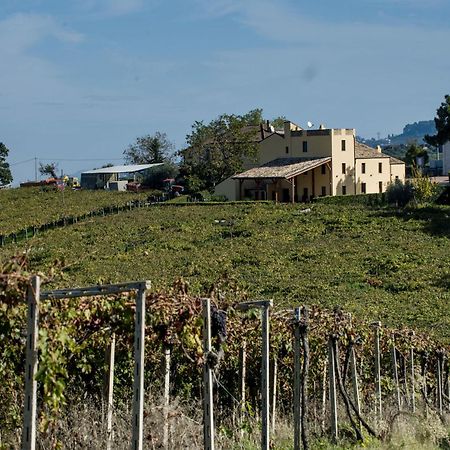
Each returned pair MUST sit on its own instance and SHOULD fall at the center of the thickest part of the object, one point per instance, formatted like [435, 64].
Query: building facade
[446, 158]
[295, 164]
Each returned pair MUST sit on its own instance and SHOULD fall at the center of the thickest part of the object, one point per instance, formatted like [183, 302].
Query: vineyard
[377, 263]
[33, 207]
[357, 379]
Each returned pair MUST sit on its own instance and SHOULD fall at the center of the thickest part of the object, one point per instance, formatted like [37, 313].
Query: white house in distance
[446, 158]
[295, 164]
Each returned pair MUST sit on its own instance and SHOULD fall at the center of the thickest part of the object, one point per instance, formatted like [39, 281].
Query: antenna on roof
[310, 124]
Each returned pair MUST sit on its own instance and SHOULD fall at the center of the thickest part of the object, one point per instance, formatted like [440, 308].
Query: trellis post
[332, 387]
[31, 365]
[413, 380]
[208, 413]
[265, 306]
[138, 386]
[297, 379]
[166, 397]
[110, 390]
[439, 387]
[395, 372]
[377, 326]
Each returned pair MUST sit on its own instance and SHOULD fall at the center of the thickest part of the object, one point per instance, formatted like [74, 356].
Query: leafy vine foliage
[74, 334]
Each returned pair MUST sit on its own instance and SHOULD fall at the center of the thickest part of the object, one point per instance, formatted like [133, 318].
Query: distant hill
[412, 132]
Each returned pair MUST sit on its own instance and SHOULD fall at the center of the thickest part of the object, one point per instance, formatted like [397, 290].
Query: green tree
[5, 171]
[216, 150]
[415, 151]
[278, 122]
[48, 169]
[442, 122]
[150, 149]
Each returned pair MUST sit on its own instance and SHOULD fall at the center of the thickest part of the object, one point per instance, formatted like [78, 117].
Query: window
[363, 188]
[287, 150]
[323, 169]
[380, 167]
[380, 187]
[363, 167]
[343, 168]
[305, 146]
[324, 191]
[343, 145]
[344, 190]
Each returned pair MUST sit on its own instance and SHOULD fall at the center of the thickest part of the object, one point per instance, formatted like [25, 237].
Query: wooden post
[109, 397]
[439, 389]
[274, 391]
[293, 190]
[166, 397]
[242, 375]
[324, 398]
[332, 387]
[355, 384]
[395, 373]
[412, 375]
[297, 375]
[265, 378]
[208, 414]
[31, 365]
[377, 326]
[138, 387]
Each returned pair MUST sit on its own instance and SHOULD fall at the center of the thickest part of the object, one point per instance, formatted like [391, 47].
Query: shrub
[399, 193]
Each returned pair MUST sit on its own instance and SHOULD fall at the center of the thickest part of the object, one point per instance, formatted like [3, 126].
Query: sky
[80, 80]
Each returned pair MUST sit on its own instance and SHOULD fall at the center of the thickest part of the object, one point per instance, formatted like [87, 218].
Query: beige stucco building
[294, 164]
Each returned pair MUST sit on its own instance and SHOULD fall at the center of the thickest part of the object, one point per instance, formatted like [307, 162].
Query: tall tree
[216, 150]
[150, 149]
[48, 169]
[413, 153]
[5, 171]
[442, 122]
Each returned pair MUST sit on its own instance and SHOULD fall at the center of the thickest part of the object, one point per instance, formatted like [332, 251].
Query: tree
[150, 149]
[442, 122]
[415, 151]
[278, 122]
[5, 171]
[216, 150]
[48, 169]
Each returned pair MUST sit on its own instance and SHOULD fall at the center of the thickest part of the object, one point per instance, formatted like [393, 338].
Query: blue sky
[81, 79]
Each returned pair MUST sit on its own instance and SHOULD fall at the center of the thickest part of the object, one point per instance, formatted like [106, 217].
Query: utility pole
[35, 168]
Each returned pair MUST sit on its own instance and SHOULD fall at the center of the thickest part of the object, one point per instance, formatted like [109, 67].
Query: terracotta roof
[396, 160]
[283, 168]
[364, 151]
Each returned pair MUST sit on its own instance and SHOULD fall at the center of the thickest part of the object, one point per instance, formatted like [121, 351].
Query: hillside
[28, 207]
[376, 262]
[412, 132]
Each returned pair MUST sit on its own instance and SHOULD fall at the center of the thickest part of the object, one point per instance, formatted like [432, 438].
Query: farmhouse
[114, 177]
[295, 164]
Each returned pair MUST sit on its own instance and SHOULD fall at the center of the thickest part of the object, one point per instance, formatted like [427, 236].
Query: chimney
[287, 128]
[378, 149]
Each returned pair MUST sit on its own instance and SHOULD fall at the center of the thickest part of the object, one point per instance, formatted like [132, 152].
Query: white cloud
[21, 31]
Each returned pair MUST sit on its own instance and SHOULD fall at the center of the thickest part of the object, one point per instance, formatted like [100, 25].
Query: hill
[376, 262]
[412, 132]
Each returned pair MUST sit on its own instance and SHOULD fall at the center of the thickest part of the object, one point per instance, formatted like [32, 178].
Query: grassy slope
[374, 262]
[25, 207]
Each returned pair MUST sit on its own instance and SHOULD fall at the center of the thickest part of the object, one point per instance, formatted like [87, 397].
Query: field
[21, 208]
[376, 262]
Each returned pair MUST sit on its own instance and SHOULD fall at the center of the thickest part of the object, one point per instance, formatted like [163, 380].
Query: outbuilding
[111, 177]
